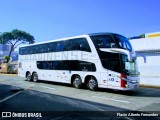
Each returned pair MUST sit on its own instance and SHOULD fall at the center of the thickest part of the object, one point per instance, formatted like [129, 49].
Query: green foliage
[16, 38]
[7, 58]
[143, 35]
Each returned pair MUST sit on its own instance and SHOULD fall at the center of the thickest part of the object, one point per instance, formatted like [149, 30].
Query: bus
[97, 60]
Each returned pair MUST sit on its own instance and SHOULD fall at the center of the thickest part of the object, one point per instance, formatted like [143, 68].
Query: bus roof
[91, 34]
[100, 33]
[55, 40]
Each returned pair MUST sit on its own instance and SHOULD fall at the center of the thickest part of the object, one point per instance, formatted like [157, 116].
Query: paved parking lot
[17, 94]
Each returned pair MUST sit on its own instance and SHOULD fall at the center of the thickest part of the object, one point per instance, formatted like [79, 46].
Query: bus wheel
[35, 77]
[92, 84]
[77, 82]
[29, 77]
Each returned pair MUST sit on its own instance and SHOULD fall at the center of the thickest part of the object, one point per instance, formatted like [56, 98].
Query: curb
[149, 86]
[8, 74]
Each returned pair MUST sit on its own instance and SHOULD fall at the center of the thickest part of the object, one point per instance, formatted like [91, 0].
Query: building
[147, 47]
[4, 50]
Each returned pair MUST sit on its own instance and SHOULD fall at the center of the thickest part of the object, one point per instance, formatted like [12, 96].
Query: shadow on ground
[59, 107]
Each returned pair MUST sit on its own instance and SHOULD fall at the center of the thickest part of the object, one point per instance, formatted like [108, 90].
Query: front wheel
[92, 84]
[77, 82]
[35, 77]
[29, 77]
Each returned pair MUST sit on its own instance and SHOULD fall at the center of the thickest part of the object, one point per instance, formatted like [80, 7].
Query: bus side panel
[103, 81]
[114, 81]
[63, 76]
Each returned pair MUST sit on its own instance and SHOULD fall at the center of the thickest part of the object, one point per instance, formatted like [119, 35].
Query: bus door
[113, 73]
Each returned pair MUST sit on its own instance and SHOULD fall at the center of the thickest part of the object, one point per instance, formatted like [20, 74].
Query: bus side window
[27, 51]
[68, 45]
[110, 43]
[65, 65]
[74, 44]
[32, 50]
[22, 51]
[38, 48]
[51, 47]
[39, 64]
[42, 48]
[84, 46]
[59, 46]
[54, 65]
[80, 44]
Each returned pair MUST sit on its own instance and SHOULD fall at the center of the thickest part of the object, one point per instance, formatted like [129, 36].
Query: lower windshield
[129, 67]
[123, 42]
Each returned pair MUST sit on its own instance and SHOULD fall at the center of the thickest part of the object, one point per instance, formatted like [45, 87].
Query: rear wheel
[92, 84]
[29, 77]
[77, 82]
[35, 77]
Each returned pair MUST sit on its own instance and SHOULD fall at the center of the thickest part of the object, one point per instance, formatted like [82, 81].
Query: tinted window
[32, 49]
[51, 47]
[67, 45]
[60, 46]
[73, 65]
[75, 44]
[22, 51]
[80, 44]
[42, 48]
[84, 46]
[110, 61]
[104, 41]
[123, 42]
[86, 66]
[112, 64]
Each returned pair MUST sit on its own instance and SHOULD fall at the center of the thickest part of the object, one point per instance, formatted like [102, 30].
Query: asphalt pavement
[50, 100]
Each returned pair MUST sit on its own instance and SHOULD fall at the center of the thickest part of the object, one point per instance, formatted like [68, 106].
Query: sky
[53, 19]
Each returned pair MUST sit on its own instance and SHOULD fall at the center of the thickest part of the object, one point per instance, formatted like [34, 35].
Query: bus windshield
[111, 41]
[123, 42]
[104, 41]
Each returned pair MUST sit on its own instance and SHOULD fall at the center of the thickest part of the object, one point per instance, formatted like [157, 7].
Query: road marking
[48, 87]
[10, 96]
[14, 94]
[111, 99]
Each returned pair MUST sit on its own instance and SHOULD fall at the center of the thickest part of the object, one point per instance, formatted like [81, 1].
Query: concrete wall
[150, 71]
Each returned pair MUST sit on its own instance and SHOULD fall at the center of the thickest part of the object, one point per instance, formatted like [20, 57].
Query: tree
[15, 38]
[143, 35]
[7, 58]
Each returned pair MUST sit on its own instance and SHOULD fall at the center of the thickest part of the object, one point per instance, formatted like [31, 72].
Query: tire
[77, 82]
[35, 77]
[92, 84]
[29, 77]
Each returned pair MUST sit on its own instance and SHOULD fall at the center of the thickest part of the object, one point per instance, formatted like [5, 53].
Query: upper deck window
[78, 44]
[111, 41]
[104, 41]
[123, 42]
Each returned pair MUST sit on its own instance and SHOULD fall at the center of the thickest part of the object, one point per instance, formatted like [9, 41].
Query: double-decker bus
[98, 60]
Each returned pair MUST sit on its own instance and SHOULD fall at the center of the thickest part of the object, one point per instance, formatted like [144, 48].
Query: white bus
[99, 60]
